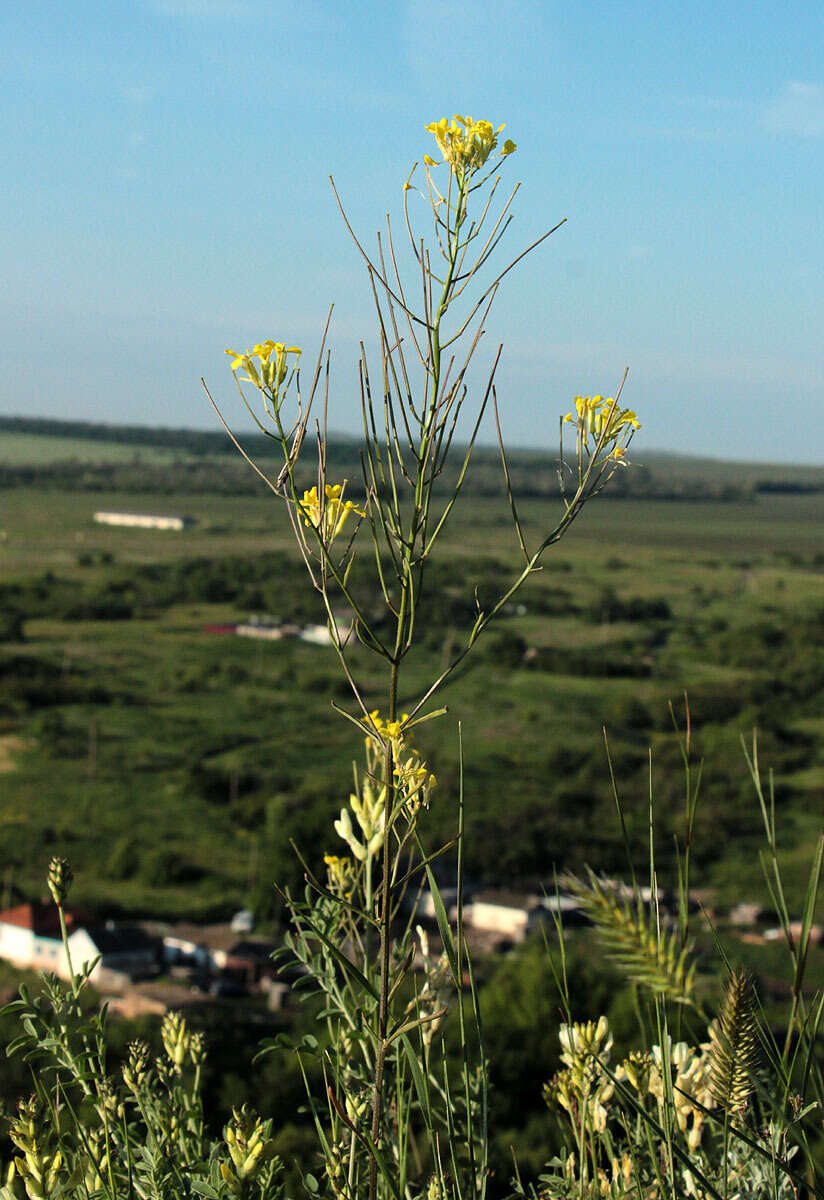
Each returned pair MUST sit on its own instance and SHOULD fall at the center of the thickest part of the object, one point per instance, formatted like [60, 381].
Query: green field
[174, 765]
[30, 449]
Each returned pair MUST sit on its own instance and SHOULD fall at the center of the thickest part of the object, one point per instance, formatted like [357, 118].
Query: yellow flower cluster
[466, 144]
[691, 1094]
[413, 779]
[340, 875]
[176, 1038]
[250, 1148]
[600, 418]
[335, 512]
[689, 1069]
[414, 782]
[39, 1162]
[389, 730]
[583, 1088]
[272, 365]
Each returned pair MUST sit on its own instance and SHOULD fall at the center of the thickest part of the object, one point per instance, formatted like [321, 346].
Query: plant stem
[386, 915]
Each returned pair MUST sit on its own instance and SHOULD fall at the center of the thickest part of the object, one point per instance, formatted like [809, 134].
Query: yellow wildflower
[388, 730]
[369, 810]
[272, 366]
[600, 418]
[583, 1088]
[414, 782]
[175, 1035]
[689, 1070]
[340, 874]
[250, 1149]
[466, 144]
[334, 514]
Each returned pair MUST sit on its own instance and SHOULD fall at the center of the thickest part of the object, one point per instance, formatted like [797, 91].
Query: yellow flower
[250, 1148]
[370, 814]
[466, 144]
[689, 1069]
[330, 518]
[414, 782]
[583, 1087]
[272, 367]
[600, 418]
[390, 730]
[340, 875]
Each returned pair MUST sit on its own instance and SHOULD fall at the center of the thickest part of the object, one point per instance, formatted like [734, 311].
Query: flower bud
[137, 1066]
[59, 879]
[176, 1038]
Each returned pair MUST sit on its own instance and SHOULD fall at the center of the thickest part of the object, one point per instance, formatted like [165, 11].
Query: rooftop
[41, 918]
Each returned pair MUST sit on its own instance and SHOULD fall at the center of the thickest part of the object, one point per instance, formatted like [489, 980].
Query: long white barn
[143, 520]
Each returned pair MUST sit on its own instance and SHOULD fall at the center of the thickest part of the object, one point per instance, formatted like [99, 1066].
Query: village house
[30, 938]
[251, 629]
[514, 915]
[510, 914]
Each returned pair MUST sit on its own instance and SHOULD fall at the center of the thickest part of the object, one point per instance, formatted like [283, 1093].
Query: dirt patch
[10, 746]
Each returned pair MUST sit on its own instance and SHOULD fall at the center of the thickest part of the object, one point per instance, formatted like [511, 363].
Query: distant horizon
[637, 453]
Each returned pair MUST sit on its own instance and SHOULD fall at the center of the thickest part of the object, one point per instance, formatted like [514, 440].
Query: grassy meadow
[174, 765]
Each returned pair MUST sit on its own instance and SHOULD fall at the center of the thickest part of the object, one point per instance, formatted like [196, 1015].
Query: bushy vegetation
[681, 1081]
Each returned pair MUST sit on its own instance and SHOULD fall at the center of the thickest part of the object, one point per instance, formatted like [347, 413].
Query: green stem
[386, 917]
[65, 936]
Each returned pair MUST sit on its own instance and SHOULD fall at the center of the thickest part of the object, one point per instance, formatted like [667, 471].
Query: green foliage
[87, 1133]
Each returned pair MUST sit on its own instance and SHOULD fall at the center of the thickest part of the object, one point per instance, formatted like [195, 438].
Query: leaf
[418, 1079]
[345, 962]
[204, 1189]
[282, 1041]
[443, 926]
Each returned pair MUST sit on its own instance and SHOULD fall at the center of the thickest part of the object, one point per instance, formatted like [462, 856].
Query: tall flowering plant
[396, 1116]
[394, 1112]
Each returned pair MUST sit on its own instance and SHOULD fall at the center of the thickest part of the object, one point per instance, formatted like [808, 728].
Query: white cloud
[798, 110]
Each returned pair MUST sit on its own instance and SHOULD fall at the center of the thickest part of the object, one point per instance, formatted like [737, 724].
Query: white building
[143, 520]
[514, 915]
[317, 634]
[509, 913]
[268, 633]
[30, 938]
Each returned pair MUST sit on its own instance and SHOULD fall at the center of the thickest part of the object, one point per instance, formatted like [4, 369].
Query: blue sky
[165, 193]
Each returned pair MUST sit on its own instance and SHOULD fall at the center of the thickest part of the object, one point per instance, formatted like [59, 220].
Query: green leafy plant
[351, 932]
[85, 1133]
[398, 1111]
